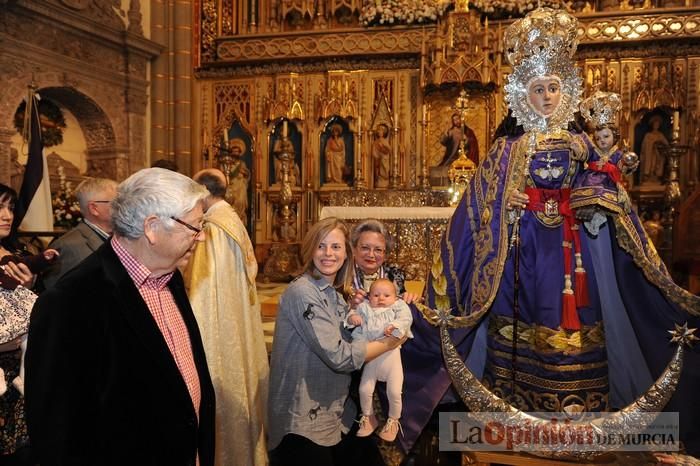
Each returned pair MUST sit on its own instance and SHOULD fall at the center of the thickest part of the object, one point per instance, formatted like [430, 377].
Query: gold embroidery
[547, 340]
[629, 240]
[550, 367]
[486, 216]
[548, 384]
[528, 400]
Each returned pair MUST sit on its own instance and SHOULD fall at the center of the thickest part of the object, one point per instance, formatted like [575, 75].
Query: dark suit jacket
[74, 247]
[101, 385]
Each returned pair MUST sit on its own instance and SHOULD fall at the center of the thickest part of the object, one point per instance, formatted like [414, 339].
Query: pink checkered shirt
[165, 312]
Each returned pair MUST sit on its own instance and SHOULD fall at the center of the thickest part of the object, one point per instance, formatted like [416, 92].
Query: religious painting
[651, 134]
[294, 137]
[337, 153]
[235, 159]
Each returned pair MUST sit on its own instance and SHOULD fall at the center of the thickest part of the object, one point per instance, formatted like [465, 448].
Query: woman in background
[13, 427]
[371, 244]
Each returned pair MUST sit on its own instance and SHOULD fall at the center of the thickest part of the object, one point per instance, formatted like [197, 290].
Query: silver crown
[601, 108]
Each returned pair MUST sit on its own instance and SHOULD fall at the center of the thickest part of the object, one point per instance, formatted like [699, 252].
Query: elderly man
[95, 197]
[221, 285]
[115, 369]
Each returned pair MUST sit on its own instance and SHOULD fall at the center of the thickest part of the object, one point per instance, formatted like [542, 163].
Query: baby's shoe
[389, 431]
[368, 424]
[18, 383]
[3, 383]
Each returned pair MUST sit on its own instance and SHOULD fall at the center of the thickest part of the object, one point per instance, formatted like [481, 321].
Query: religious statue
[454, 136]
[546, 315]
[237, 176]
[381, 155]
[655, 230]
[335, 155]
[651, 157]
[294, 171]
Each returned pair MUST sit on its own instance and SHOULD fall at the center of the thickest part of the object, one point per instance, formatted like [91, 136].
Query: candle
[676, 124]
[284, 129]
[425, 114]
[226, 135]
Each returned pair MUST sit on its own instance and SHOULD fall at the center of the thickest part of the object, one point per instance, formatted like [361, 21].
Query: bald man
[221, 285]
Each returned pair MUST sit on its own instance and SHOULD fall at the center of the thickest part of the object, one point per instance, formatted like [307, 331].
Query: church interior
[338, 108]
[360, 95]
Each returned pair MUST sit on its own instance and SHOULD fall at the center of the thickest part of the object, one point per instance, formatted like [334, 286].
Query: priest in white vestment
[221, 285]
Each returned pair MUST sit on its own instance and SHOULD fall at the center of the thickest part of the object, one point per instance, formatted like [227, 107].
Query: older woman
[371, 244]
[313, 354]
[13, 429]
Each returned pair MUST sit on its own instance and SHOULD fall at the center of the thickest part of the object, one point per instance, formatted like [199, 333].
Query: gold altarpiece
[312, 67]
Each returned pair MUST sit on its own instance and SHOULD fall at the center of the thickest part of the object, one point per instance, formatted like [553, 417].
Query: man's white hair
[153, 191]
[91, 189]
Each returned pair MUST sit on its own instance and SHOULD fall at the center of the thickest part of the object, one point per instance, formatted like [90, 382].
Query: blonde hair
[316, 234]
[384, 281]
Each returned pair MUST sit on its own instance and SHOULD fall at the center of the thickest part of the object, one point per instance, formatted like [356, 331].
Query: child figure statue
[599, 189]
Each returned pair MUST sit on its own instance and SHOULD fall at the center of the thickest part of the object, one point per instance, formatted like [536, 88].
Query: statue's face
[544, 95]
[604, 138]
[456, 120]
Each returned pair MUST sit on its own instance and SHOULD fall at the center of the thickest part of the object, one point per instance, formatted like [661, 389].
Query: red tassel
[569, 315]
[581, 289]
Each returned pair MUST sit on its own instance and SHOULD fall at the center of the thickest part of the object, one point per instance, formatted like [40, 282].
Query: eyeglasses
[197, 231]
[377, 251]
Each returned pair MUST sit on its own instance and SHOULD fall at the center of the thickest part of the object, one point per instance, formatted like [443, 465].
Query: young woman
[313, 354]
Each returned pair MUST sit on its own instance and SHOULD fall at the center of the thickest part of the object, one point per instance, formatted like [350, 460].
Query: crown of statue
[601, 108]
[544, 33]
[541, 44]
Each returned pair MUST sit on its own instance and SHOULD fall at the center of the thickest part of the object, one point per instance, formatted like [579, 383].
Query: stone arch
[97, 126]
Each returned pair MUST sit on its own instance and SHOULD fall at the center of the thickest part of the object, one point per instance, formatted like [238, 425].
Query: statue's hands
[585, 213]
[517, 200]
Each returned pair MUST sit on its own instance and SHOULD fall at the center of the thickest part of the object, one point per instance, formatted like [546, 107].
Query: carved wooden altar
[407, 77]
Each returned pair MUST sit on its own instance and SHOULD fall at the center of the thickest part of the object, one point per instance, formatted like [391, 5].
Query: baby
[384, 316]
[16, 303]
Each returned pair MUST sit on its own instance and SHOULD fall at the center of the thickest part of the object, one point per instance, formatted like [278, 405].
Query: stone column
[171, 96]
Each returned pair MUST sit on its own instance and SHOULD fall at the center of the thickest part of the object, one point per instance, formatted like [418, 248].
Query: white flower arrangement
[393, 12]
[511, 8]
[66, 209]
